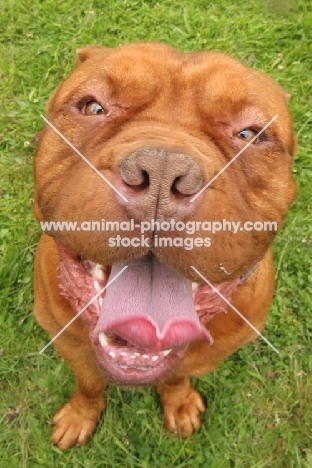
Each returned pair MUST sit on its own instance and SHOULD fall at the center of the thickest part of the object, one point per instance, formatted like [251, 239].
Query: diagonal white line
[233, 159]
[84, 158]
[82, 310]
[235, 310]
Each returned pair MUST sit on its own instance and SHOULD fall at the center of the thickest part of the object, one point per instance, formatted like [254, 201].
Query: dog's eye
[247, 134]
[93, 108]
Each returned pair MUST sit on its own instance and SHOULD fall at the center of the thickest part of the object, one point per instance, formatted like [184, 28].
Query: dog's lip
[142, 367]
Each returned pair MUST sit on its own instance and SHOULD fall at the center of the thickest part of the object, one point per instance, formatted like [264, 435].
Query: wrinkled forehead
[147, 66]
[136, 74]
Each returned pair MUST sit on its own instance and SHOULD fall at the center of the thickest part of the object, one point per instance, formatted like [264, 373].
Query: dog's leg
[181, 404]
[75, 422]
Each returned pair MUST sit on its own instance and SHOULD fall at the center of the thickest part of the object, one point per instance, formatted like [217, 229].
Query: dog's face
[159, 125]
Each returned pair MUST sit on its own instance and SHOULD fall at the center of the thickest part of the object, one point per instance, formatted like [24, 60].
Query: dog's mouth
[141, 324]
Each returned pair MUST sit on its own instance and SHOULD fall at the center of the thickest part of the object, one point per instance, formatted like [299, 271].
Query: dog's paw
[182, 414]
[75, 425]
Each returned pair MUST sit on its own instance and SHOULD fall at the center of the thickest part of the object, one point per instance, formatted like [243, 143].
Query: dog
[143, 134]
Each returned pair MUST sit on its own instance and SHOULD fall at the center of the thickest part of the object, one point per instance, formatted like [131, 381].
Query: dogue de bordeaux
[146, 134]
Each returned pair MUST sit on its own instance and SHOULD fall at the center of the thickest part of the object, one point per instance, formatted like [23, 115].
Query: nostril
[139, 187]
[188, 184]
[176, 192]
[134, 177]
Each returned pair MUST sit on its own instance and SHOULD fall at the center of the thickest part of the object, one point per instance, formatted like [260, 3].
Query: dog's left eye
[93, 108]
[247, 134]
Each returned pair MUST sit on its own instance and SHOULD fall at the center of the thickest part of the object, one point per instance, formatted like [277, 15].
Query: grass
[259, 404]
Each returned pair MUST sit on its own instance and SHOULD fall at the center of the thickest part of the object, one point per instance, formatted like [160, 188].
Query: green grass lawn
[259, 403]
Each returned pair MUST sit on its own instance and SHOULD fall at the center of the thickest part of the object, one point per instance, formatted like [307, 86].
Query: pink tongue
[150, 306]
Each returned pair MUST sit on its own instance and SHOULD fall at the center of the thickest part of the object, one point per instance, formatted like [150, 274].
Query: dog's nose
[158, 178]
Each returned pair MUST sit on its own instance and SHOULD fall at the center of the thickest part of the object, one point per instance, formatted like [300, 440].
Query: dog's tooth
[145, 356]
[98, 272]
[166, 352]
[112, 354]
[133, 356]
[103, 339]
[123, 353]
[155, 358]
[97, 286]
[194, 286]
[137, 354]
[100, 301]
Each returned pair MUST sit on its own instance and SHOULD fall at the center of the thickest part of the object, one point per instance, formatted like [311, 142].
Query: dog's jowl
[157, 176]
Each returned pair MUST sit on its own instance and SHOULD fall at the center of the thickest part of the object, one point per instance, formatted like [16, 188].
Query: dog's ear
[36, 210]
[90, 51]
[37, 137]
[293, 144]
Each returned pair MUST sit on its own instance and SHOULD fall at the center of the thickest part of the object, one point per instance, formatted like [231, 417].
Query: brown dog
[159, 125]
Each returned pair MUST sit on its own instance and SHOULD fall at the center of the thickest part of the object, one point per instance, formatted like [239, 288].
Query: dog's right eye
[247, 134]
[93, 108]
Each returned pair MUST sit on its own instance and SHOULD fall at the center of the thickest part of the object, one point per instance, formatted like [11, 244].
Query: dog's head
[169, 141]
